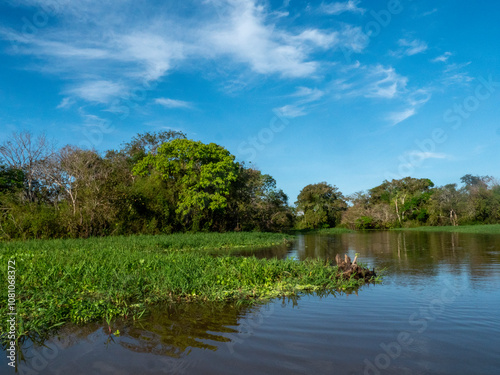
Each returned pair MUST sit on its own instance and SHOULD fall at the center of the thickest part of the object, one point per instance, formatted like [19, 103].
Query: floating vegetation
[80, 281]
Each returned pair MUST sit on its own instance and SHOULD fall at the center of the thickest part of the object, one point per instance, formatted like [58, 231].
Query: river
[436, 312]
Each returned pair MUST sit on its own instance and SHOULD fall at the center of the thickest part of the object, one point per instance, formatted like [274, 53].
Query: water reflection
[411, 253]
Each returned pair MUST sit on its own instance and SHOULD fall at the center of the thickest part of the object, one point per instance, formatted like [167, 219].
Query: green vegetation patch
[480, 229]
[80, 281]
[334, 231]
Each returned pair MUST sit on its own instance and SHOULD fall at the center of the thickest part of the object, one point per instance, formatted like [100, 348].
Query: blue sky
[350, 92]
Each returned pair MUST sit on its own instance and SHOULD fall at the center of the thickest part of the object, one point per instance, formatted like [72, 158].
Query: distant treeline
[163, 183]
[411, 202]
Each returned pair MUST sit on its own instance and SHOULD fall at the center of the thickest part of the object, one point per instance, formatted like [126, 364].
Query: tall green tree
[320, 206]
[200, 175]
[256, 203]
[408, 197]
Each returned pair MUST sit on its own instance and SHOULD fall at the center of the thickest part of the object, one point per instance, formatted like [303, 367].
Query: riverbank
[336, 230]
[97, 279]
[479, 229]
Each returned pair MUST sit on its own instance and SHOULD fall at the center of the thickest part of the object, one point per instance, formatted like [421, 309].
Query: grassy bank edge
[479, 229]
[336, 230]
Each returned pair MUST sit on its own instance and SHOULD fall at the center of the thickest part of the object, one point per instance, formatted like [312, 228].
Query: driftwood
[348, 269]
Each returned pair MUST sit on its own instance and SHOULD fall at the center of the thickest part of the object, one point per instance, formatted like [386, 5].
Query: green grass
[99, 279]
[479, 229]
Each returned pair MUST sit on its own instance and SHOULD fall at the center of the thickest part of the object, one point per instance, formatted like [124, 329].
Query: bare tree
[70, 171]
[25, 152]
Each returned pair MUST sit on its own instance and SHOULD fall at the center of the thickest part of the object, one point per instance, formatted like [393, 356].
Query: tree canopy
[162, 182]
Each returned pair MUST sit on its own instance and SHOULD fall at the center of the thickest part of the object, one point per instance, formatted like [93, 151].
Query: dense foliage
[164, 183]
[415, 202]
[157, 183]
[320, 206]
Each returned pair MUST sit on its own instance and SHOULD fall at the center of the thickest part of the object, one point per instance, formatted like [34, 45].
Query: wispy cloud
[303, 96]
[307, 95]
[93, 45]
[384, 83]
[341, 7]
[370, 82]
[414, 101]
[65, 103]
[397, 117]
[98, 91]
[410, 47]
[428, 155]
[455, 74]
[291, 111]
[173, 103]
[443, 58]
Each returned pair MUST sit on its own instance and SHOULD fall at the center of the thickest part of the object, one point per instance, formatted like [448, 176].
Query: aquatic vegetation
[100, 279]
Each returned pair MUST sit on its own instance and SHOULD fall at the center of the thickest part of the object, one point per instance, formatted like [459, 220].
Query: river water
[436, 312]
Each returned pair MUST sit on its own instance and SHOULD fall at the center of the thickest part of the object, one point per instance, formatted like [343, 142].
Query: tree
[475, 182]
[480, 200]
[11, 180]
[200, 176]
[320, 205]
[445, 205]
[148, 143]
[407, 195]
[255, 203]
[24, 152]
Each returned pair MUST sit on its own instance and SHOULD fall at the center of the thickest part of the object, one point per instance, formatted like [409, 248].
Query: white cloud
[370, 82]
[304, 97]
[454, 74]
[245, 37]
[341, 7]
[98, 91]
[384, 83]
[418, 97]
[156, 53]
[410, 47]
[65, 103]
[130, 43]
[397, 117]
[428, 155]
[291, 111]
[443, 58]
[173, 103]
[317, 37]
[307, 94]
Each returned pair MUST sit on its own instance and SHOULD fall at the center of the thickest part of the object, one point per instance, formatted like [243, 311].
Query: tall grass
[80, 280]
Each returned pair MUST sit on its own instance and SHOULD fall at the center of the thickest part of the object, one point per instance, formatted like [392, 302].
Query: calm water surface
[437, 312]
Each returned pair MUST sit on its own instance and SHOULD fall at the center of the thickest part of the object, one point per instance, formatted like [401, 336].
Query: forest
[163, 182]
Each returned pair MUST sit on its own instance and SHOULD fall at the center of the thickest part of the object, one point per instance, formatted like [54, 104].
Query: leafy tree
[256, 203]
[200, 176]
[408, 197]
[147, 143]
[446, 205]
[475, 182]
[11, 180]
[320, 205]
